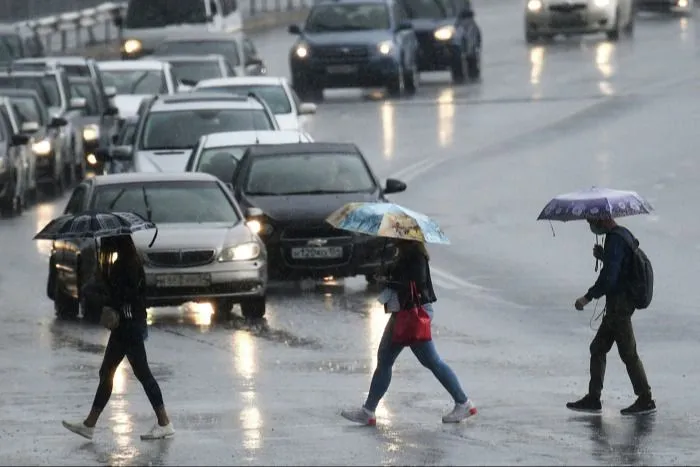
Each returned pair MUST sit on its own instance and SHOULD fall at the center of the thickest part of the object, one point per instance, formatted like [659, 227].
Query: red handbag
[412, 324]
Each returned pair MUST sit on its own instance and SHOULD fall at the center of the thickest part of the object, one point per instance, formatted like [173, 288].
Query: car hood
[347, 38]
[128, 104]
[193, 236]
[308, 208]
[84, 120]
[426, 24]
[287, 121]
[162, 161]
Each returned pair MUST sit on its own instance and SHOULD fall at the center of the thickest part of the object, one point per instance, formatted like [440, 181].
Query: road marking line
[461, 283]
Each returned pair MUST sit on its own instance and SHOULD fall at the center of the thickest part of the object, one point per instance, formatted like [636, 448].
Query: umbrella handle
[155, 235]
[596, 260]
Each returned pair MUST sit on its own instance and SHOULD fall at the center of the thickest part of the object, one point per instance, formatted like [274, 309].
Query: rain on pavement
[482, 159]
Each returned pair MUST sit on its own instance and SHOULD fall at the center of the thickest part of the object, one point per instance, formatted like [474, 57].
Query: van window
[142, 14]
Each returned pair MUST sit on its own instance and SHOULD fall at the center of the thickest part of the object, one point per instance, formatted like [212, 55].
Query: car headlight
[444, 33]
[91, 132]
[302, 51]
[42, 148]
[601, 3]
[131, 46]
[242, 252]
[386, 47]
[259, 228]
[534, 5]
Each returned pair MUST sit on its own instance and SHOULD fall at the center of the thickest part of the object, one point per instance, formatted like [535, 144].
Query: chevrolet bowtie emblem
[317, 242]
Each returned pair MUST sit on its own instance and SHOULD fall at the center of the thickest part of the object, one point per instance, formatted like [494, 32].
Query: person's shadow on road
[623, 441]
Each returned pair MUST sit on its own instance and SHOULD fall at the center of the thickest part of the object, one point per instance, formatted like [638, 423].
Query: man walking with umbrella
[618, 281]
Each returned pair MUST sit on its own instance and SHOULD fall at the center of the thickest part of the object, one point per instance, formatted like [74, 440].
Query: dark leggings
[126, 341]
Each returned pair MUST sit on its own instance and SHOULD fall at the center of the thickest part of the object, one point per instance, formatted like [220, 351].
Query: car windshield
[179, 129]
[196, 71]
[220, 162]
[169, 202]
[46, 86]
[427, 9]
[28, 109]
[143, 14]
[348, 17]
[86, 91]
[10, 47]
[274, 95]
[298, 174]
[136, 81]
[226, 48]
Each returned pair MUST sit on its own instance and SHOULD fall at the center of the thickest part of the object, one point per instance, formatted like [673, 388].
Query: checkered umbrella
[93, 224]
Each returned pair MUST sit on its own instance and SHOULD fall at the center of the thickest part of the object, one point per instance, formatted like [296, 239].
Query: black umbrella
[94, 224]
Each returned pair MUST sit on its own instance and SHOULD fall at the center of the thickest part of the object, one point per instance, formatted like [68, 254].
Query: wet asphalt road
[483, 159]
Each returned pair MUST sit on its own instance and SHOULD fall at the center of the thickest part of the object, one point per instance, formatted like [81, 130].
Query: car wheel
[614, 34]
[223, 307]
[474, 67]
[253, 308]
[629, 28]
[412, 78]
[51, 280]
[396, 85]
[68, 175]
[66, 307]
[530, 37]
[459, 66]
[8, 205]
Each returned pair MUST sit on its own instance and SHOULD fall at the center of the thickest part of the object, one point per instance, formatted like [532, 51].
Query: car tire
[51, 280]
[223, 308]
[531, 37]
[397, 85]
[411, 78]
[474, 67]
[614, 34]
[458, 69]
[10, 204]
[66, 307]
[68, 175]
[253, 308]
[629, 27]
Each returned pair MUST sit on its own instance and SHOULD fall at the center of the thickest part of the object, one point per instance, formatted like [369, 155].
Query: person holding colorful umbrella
[626, 281]
[408, 297]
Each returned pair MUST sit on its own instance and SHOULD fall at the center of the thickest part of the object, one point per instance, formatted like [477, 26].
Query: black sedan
[297, 186]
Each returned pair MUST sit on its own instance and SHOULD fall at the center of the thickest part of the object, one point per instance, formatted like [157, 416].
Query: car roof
[204, 100]
[302, 148]
[200, 36]
[190, 58]
[242, 81]
[65, 60]
[19, 92]
[28, 73]
[131, 65]
[145, 177]
[246, 138]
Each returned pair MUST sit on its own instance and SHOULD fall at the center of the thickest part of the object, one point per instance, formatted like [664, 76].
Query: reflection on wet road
[482, 159]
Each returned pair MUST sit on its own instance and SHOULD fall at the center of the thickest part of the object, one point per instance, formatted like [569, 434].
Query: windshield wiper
[263, 193]
[317, 192]
[149, 214]
[116, 198]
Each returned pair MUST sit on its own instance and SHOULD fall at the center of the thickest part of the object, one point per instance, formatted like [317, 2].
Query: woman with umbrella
[121, 288]
[408, 281]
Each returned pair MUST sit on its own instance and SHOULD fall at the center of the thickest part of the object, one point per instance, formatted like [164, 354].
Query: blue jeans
[427, 355]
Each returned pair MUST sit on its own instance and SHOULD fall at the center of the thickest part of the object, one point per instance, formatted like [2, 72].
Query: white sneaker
[460, 412]
[159, 432]
[79, 428]
[361, 416]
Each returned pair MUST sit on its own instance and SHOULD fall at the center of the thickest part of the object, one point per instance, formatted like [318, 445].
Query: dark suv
[448, 37]
[354, 43]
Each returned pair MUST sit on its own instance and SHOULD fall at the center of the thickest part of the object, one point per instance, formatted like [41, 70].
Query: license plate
[568, 21]
[183, 280]
[321, 252]
[341, 69]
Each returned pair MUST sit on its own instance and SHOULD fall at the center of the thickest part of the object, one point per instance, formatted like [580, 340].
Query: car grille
[181, 258]
[567, 7]
[426, 41]
[303, 236]
[341, 55]
[308, 233]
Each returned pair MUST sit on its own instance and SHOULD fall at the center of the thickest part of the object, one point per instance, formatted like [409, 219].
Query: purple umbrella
[594, 203]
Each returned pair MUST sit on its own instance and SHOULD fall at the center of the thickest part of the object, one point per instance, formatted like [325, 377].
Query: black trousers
[127, 341]
[616, 328]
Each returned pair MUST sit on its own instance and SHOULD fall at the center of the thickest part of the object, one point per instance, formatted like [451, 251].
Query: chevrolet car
[354, 43]
[203, 250]
[547, 18]
[296, 187]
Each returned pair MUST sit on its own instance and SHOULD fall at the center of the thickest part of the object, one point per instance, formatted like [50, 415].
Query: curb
[258, 23]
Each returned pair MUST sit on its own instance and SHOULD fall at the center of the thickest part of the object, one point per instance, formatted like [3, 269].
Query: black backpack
[640, 274]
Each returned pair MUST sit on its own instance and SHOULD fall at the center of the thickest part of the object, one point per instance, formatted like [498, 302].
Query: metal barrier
[77, 30]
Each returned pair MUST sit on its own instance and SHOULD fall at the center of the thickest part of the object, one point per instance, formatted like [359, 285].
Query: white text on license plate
[341, 69]
[183, 280]
[321, 252]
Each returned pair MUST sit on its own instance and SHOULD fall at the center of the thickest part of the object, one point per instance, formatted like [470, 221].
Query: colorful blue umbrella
[387, 220]
[595, 203]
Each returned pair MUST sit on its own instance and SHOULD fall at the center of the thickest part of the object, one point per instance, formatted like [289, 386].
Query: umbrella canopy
[93, 224]
[595, 203]
[387, 220]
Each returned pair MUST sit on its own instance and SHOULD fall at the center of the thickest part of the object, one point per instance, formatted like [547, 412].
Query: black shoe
[588, 404]
[642, 406]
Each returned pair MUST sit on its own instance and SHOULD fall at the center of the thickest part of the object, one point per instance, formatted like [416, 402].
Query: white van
[148, 22]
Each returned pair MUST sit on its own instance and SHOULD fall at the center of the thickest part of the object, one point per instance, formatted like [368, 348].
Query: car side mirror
[294, 29]
[307, 108]
[110, 91]
[394, 186]
[229, 185]
[102, 154]
[111, 112]
[466, 14]
[122, 153]
[78, 103]
[251, 213]
[20, 140]
[253, 69]
[30, 127]
[58, 122]
[404, 26]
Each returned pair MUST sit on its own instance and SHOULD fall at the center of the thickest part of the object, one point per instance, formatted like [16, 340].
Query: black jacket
[125, 293]
[412, 266]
